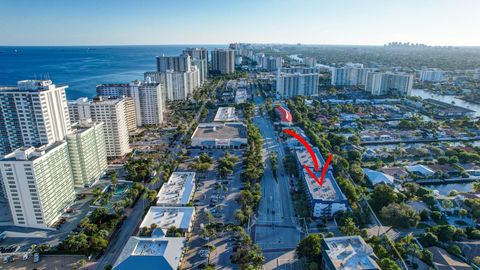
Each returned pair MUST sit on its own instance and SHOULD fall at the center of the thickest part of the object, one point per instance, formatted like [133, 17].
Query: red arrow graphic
[307, 146]
[314, 158]
[324, 171]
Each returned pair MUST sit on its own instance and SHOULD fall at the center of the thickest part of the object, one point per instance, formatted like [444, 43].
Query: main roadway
[275, 229]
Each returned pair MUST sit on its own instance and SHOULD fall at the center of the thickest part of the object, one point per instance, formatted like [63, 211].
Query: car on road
[204, 253]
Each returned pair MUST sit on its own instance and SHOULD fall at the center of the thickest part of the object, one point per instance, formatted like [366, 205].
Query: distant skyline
[152, 22]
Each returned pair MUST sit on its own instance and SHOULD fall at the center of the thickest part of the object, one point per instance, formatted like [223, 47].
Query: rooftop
[224, 131]
[377, 177]
[349, 253]
[329, 191]
[31, 153]
[151, 253]
[424, 170]
[225, 114]
[166, 217]
[285, 114]
[32, 86]
[443, 261]
[178, 189]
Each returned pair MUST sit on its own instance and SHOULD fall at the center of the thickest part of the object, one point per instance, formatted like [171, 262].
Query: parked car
[7, 259]
[36, 257]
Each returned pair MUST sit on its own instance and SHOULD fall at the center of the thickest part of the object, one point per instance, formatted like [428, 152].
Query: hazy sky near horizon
[122, 22]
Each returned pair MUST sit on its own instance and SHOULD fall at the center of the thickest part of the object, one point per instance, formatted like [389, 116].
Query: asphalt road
[276, 191]
[275, 229]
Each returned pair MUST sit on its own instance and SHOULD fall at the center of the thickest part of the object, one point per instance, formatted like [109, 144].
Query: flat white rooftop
[349, 253]
[178, 190]
[225, 114]
[166, 217]
[151, 253]
[329, 191]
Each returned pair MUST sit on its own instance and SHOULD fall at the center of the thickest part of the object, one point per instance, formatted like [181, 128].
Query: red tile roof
[285, 115]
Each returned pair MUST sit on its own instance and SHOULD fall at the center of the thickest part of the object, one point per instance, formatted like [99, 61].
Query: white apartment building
[272, 63]
[310, 61]
[131, 114]
[202, 67]
[223, 61]
[297, 81]
[196, 53]
[112, 113]
[33, 113]
[350, 76]
[432, 75]
[88, 155]
[38, 184]
[148, 101]
[181, 63]
[113, 90]
[389, 84]
[180, 85]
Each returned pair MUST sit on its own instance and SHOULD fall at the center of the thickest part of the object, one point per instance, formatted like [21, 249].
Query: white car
[36, 257]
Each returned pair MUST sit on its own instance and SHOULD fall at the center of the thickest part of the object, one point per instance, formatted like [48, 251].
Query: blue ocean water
[81, 67]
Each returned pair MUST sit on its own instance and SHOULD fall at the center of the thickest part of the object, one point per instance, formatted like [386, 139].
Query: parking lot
[217, 196]
[46, 262]
[23, 238]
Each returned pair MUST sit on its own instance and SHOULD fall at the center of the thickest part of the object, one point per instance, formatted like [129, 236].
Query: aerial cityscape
[229, 151]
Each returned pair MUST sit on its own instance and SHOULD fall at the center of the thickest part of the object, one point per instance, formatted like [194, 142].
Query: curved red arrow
[324, 171]
[307, 146]
[314, 158]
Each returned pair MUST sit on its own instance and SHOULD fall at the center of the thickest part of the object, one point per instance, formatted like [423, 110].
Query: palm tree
[113, 180]
[96, 192]
[118, 207]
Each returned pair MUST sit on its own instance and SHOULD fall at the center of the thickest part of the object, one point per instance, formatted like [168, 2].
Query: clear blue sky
[90, 22]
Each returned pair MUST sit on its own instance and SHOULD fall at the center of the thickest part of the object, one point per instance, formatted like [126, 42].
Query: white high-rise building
[223, 61]
[202, 66]
[199, 58]
[272, 63]
[197, 53]
[33, 113]
[112, 113]
[350, 76]
[145, 107]
[432, 75]
[88, 155]
[39, 184]
[181, 63]
[176, 85]
[113, 90]
[179, 85]
[148, 102]
[310, 61]
[389, 84]
[297, 81]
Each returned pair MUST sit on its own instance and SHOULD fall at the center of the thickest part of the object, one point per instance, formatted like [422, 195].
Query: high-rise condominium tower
[88, 155]
[297, 81]
[379, 83]
[33, 113]
[112, 113]
[38, 183]
[223, 61]
[181, 63]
